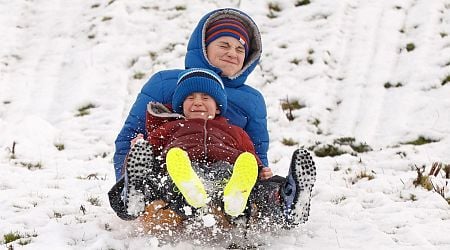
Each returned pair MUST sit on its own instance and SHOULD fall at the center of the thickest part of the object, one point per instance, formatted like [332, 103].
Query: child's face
[200, 105]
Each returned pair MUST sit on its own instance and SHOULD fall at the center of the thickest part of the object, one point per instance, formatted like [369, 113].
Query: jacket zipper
[205, 139]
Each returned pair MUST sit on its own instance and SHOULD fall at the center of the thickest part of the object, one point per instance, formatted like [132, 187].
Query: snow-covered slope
[376, 72]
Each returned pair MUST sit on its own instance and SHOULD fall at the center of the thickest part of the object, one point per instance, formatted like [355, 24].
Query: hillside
[366, 84]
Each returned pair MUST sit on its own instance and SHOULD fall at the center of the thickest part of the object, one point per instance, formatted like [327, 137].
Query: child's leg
[240, 185]
[185, 178]
[298, 187]
[138, 165]
[116, 200]
[267, 210]
[138, 186]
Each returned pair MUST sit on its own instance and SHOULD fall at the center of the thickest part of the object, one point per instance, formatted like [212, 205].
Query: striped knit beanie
[228, 27]
[199, 80]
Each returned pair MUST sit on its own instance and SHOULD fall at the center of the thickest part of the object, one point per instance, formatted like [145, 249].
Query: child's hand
[139, 136]
[265, 173]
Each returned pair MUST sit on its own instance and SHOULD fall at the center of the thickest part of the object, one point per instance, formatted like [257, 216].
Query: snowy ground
[376, 71]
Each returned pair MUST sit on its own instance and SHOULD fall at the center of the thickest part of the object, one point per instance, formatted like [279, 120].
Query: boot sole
[185, 178]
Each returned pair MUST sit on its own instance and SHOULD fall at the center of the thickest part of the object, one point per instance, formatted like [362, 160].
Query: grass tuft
[365, 174]
[291, 105]
[95, 201]
[59, 146]
[10, 237]
[289, 142]
[423, 180]
[138, 75]
[410, 47]
[106, 18]
[85, 110]
[420, 141]
[350, 141]
[388, 85]
[302, 2]
[328, 150]
[446, 80]
[180, 7]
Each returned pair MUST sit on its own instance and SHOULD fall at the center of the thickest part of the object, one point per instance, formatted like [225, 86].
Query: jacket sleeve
[257, 128]
[248, 146]
[135, 122]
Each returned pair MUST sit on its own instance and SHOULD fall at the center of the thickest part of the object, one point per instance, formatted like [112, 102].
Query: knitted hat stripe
[211, 36]
[199, 80]
[200, 74]
[238, 28]
[228, 21]
[228, 27]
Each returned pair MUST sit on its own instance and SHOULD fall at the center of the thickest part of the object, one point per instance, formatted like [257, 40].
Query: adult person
[213, 45]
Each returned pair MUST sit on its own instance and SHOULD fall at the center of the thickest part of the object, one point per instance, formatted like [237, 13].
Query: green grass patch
[295, 61]
[420, 141]
[291, 105]
[360, 147]
[85, 110]
[24, 239]
[31, 165]
[106, 18]
[302, 2]
[410, 47]
[328, 150]
[274, 7]
[138, 75]
[180, 7]
[365, 174]
[391, 85]
[446, 80]
[59, 146]
[289, 142]
[10, 237]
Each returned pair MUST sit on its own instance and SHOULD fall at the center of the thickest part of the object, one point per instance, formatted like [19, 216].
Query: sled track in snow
[359, 116]
[380, 62]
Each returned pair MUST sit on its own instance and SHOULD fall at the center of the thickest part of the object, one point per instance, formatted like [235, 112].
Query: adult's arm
[158, 88]
[257, 128]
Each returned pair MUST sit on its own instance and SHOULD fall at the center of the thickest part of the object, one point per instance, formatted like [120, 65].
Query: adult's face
[227, 54]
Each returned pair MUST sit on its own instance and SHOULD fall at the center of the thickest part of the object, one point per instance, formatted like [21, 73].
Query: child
[201, 135]
[204, 137]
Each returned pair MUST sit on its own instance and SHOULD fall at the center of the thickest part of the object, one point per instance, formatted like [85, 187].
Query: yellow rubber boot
[238, 188]
[185, 178]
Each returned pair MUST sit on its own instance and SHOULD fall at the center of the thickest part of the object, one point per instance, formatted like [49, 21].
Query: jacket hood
[196, 50]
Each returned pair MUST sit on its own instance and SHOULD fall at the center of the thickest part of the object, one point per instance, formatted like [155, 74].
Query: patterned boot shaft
[138, 167]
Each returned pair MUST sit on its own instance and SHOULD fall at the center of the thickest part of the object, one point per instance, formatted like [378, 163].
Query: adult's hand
[135, 139]
[265, 173]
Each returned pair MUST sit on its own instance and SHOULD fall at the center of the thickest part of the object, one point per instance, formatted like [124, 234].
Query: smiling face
[200, 105]
[227, 54]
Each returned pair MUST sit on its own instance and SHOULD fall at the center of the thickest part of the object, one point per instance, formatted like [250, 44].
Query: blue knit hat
[228, 27]
[199, 80]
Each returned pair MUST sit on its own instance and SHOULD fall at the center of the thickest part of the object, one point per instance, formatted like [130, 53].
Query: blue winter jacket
[246, 106]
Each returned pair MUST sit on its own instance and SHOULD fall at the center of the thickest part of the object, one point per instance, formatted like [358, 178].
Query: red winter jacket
[204, 140]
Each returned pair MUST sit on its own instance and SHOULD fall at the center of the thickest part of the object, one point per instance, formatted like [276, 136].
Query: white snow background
[377, 71]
